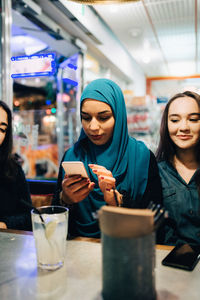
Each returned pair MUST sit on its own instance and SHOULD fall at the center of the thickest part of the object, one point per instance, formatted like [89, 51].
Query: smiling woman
[179, 161]
[184, 122]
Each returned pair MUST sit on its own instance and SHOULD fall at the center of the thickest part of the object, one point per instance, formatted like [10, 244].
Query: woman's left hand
[106, 183]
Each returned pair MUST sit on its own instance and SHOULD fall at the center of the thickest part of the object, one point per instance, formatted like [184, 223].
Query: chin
[186, 147]
[98, 143]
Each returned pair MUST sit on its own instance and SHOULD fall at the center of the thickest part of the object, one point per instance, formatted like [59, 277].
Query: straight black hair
[7, 163]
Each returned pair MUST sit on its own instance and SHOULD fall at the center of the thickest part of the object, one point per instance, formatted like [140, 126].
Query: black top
[13, 212]
[153, 193]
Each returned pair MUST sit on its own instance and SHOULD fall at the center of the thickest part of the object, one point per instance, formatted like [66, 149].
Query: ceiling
[27, 38]
[161, 35]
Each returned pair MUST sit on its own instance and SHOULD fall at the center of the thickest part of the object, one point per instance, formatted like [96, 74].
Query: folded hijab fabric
[127, 158]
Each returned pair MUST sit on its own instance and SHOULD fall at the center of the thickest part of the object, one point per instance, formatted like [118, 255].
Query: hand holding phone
[74, 188]
[183, 257]
[75, 168]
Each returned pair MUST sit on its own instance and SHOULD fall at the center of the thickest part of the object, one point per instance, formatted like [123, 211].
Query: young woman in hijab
[179, 159]
[116, 163]
[14, 214]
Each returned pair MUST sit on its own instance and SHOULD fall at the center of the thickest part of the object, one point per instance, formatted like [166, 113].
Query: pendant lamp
[92, 2]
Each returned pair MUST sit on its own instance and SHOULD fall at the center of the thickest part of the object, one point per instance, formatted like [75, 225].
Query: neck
[186, 157]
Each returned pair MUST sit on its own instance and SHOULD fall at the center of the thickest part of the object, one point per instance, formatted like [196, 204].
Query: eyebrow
[192, 114]
[4, 124]
[99, 113]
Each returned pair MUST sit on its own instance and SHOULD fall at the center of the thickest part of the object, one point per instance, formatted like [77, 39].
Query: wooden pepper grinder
[128, 252]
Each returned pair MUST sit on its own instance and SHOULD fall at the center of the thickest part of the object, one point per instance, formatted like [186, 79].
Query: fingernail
[102, 177]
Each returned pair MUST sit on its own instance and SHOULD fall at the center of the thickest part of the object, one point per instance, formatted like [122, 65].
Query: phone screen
[184, 257]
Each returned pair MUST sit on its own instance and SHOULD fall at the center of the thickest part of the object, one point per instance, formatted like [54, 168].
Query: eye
[174, 120]
[102, 118]
[194, 119]
[2, 130]
[86, 117]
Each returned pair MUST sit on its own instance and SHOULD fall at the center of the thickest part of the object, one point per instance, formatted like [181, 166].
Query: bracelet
[63, 203]
[61, 199]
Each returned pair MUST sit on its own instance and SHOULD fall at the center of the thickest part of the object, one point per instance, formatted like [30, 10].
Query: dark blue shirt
[183, 204]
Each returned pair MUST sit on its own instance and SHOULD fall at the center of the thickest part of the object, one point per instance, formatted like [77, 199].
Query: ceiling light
[146, 59]
[90, 2]
[135, 32]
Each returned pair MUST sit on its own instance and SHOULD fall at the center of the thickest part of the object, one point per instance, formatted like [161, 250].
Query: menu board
[33, 65]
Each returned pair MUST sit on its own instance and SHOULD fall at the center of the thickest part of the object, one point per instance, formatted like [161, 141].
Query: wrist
[64, 200]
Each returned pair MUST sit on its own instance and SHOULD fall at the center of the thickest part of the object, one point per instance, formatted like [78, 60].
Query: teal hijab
[124, 156]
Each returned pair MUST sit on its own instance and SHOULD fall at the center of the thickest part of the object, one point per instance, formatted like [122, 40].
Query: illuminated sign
[33, 65]
[69, 67]
[162, 99]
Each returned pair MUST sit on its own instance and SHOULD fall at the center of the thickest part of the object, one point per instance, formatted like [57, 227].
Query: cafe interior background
[51, 49]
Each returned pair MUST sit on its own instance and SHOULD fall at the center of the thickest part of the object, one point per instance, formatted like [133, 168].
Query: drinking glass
[50, 227]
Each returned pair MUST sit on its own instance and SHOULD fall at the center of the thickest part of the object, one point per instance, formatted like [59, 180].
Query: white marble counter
[80, 277]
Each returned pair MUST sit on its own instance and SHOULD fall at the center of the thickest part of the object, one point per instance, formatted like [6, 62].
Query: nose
[184, 125]
[94, 124]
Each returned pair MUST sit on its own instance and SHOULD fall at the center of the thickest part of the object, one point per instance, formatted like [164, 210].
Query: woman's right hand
[76, 188]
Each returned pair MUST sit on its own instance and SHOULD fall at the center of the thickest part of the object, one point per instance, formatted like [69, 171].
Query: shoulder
[69, 153]
[138, 150]
[139, 144]
[20, 172]
[16, 169]
[163, 166]
[66, 154]
[72, 153]
[168, 175]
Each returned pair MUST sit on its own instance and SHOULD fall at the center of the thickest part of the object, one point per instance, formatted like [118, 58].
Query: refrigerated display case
[143, 117]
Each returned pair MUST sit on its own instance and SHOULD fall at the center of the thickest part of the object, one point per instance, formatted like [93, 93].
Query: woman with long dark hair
[14, 214]
[178, 156]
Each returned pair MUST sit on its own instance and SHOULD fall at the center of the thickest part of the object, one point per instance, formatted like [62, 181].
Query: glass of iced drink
[50, 229]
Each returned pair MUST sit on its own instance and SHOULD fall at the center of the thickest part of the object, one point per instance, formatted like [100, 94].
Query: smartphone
[75, 168]
[183, 257]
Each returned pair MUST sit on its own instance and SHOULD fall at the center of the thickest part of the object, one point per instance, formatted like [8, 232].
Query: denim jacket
[183, 205]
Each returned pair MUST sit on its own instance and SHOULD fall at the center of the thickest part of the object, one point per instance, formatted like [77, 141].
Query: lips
[96, 137]
[184, 137]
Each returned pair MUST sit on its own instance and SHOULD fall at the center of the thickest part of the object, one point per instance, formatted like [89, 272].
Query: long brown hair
[166, 148]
